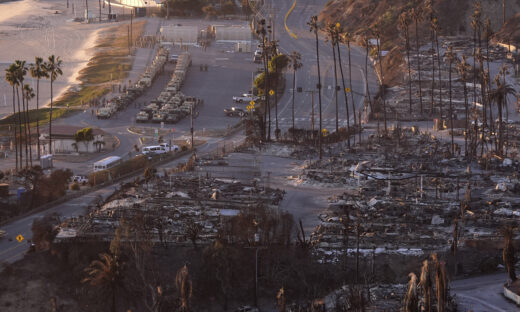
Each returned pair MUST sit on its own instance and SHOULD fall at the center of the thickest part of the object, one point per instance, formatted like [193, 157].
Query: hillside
[356, 16]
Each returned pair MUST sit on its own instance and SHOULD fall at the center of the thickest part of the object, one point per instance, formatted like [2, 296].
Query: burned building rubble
[406, 195]
[181, 209]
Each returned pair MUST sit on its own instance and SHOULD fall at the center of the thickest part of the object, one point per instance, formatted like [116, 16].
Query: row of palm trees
[478, 73]
[15, 75]
[336, 35]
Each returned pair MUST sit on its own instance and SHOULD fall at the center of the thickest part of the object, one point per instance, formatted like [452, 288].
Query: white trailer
[107, 163]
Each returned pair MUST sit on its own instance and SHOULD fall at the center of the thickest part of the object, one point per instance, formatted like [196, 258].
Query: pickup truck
[234, 111]
[246, 97]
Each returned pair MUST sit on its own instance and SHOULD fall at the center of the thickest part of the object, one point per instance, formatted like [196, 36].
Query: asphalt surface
[307, 77]
[482, 294]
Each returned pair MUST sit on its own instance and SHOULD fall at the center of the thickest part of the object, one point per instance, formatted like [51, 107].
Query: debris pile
[176, 209]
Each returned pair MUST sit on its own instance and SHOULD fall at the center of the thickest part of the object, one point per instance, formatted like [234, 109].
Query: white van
[155, 150]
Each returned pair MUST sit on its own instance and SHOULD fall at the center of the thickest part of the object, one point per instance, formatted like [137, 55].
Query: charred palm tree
[344, 89]
[38, 71]
[347, 38]
[184, 286]
[313, 23]
[332, 36]
[404, 23]
[377, 32]
[296, 64]
[417, 17]
[53, 67]
[105, 272]
[451, 56]
[426, 284]
[463, 68]
[435, 28]
[475, 25]
[440, 283]
[366, 44]
[411, 300]
[499, 96]
[431, 13]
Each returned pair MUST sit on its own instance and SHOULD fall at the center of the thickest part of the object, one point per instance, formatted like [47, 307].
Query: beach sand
[30, 28]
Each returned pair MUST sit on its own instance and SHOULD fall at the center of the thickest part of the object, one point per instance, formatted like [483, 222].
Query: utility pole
[128, 28]
[99, 3]
[192, 125]
[312, 110]
[131, 28]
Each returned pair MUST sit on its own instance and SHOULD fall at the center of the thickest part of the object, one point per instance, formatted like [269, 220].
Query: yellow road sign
[338, 25]
[347, 90]
[324, 131]
[252, 103]
[271, 92]
[19, 238]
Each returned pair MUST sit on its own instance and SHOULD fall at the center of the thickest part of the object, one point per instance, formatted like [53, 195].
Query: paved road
[482, 294]
[306, 77]
[11, 250]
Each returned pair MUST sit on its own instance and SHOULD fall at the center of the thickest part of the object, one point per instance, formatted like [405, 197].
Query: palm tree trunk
[28, 123]
[276, 130]
[15, 131]
[418, 63]
[320, 135]
[440, 76]
[50, 123]
[345, 94]
[467, 119]
[20, 127]
[23, 112]
[433, 74]
[292, 107]
[382, 81]
[500, 128]
[99, 3]
[451, 113]
[37, 114]
[366, 78]
[407, 35]
[335, 84]
[350, 84]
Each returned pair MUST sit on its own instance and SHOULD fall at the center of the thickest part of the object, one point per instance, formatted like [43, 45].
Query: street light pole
[192, 126]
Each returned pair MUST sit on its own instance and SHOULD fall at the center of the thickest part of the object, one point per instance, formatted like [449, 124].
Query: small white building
[64, 141]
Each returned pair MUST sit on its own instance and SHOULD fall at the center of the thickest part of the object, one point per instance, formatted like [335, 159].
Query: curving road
[306, 77]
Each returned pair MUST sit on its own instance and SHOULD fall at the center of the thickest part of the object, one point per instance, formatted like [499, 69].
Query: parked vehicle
[2, 233]
[104, 113]
[234, 111]
[246, 97]
[80, 179]
[142, 117]
[153, 150]
[173, 148]
[174, 58]
[107, 163]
